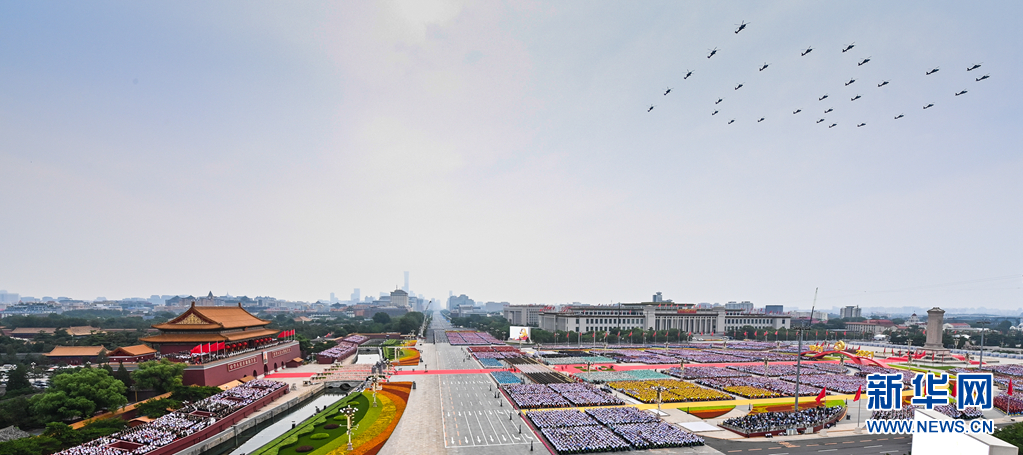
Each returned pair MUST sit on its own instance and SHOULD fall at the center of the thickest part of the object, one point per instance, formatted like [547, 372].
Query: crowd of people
[903, 413]
[190, 419]
[598, 377]
[656, 435]
[584, 439]
[1011, 405]
[773, 370]
[704, 372]
[462, 338]
[677, 391]
[770, 422]
[342, 351]
[608, 429]
[558, 395]
[355, 339]
[833, 382]
[968, 413]
[505, 377]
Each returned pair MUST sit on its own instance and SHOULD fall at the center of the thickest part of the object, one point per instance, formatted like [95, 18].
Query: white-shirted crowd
[769, 422]
[608, 429]
[188, 420]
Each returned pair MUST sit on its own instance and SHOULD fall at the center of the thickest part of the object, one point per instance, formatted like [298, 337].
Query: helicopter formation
[742, 26]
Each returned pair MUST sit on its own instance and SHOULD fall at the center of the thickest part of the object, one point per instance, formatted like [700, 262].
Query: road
[865, 444]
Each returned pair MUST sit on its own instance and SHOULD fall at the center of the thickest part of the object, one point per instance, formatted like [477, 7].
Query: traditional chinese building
[249, 348]
[132, 354]
[76, 355]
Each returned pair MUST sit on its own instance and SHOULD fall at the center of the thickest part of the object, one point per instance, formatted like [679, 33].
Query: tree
[157, 408]
[18, 380]
[162, 376]
[1013, 434]
[381, 318]
[79, 394]
[124, 376]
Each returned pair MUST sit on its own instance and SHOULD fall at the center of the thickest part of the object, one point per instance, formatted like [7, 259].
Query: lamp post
[659, 390]
[799, 349]
[982, 330]
[373, 385]
[349, 412]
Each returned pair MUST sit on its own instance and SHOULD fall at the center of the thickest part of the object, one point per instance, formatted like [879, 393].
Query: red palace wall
[221, 425]
[250, 364]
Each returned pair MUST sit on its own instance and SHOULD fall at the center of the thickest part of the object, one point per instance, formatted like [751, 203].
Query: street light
[373, 385]
[659, 390]
[982, 330]
[349, 412]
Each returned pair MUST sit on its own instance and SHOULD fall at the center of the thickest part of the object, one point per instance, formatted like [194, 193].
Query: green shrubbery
[319, 436]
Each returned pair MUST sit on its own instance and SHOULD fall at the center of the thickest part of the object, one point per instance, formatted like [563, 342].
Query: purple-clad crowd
[462, 338]
[342, 351]
[558, 395]
[608, 429]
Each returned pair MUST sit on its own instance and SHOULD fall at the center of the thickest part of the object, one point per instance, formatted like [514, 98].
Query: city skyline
[507, 151]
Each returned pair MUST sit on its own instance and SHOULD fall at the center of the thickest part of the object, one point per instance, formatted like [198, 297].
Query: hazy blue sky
[505, 151]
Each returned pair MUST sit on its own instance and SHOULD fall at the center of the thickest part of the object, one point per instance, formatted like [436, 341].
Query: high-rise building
[356, 296]
[774, 309]
[455, 302]
[399, 298]
[658, 297]
[745, 305]
[850, 312]
[405, 288]
[332, 298]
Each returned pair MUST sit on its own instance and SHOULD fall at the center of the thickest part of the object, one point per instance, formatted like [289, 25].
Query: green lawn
[286, 443]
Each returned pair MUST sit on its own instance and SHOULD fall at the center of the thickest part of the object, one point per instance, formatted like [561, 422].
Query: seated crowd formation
[191, 418]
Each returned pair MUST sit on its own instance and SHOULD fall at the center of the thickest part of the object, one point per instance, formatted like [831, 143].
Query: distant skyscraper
[774, 309]
[405, 288]
[658, 297]
[356, 296]
[332, 298]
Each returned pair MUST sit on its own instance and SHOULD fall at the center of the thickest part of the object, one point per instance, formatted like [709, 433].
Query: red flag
[755, 334]
[820, 396]
[745, 334]
[775, 333]
[952, 388]
[858, 390]
[630, 334]
[197, 349]
[816, 333]
[845, 333]
[223, 345]
[1010, 387]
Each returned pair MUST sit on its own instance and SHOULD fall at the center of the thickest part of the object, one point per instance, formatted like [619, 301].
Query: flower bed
[708, 412]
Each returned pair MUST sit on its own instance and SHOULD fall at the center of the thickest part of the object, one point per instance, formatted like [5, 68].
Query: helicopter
[761, 119]
[688, 73]
[712, 52]
[737, 87]
[742, 27]
[731, 121]
[821, 120]
[807, 51]
[929, 105]
[935, 70]
[719, 101]
[899, 116]
[822, 98]
[856, 98]
[983, 77]
[975, 66]
[861, 124]
[961, 93]
[764, 67]
[829, 110]
[832, 125]
[651, 108]
[797, 111]
[864, 62]
[850, 82]
[667, 91]
[714, 113]
[849, 47]
[882, 84]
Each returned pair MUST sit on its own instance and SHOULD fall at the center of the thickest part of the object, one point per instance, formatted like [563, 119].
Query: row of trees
[81, 392]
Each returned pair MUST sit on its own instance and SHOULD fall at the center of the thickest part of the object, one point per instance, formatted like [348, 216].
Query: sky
[505, 150]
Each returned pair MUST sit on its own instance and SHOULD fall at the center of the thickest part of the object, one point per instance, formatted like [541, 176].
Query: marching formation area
[708, 397]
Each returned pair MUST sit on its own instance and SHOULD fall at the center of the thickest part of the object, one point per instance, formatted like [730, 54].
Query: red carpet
[411, 373]
[289, 375]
